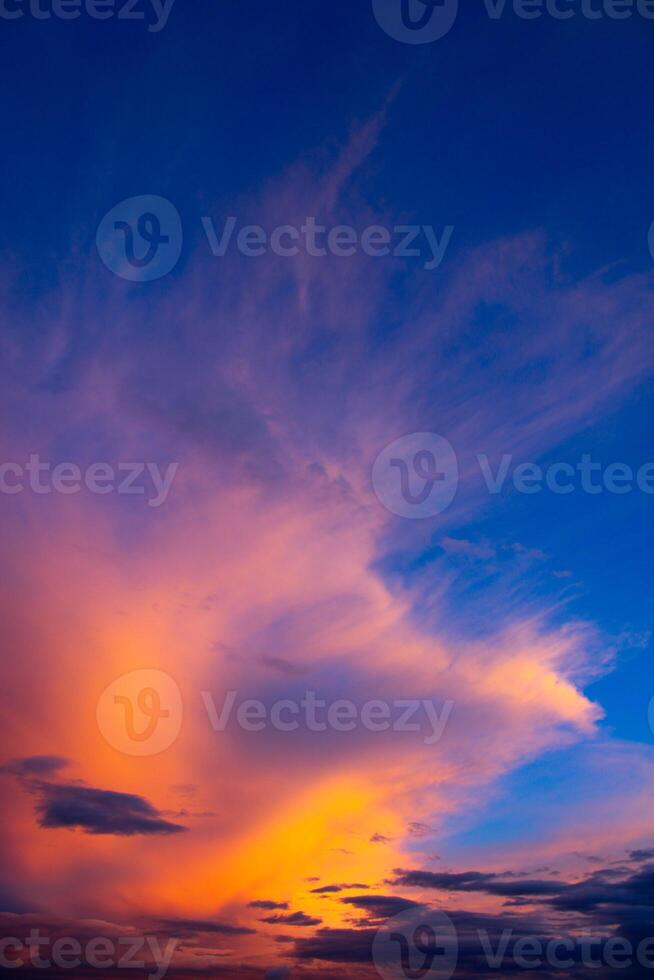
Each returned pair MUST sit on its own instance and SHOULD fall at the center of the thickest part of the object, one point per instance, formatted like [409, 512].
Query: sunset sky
[264, 404]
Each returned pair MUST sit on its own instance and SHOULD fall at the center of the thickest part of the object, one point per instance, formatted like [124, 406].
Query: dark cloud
[380, 839]
[282, 666]
[75, 806]
[380, 906]
[292, 919]
[476, 881]
[264, 903]
[606, 896]
[642, 855]
[99, 811]
[35, 766]
[327, 889]
[337, 946]
[609, 904]
[193, 927]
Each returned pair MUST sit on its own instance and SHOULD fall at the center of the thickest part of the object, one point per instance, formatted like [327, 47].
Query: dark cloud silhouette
[380, 906]
[337, 946]
[76, 806]
[580, 922]
[607, 894]
[327, 889]
[99, 811]
[292, 919]
[267, 904]
[476, 881]
[35, 766]
[193, 927]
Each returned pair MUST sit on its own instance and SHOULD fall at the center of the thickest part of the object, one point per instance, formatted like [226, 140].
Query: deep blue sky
[500, 126]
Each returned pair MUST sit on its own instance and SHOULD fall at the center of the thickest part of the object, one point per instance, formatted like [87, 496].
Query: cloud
[192, 927]
[380, 906]
[99, 811]
[263, 903]
[337, 945]
[326, 889]
[475, 881]
[35, 766]
[292, 919]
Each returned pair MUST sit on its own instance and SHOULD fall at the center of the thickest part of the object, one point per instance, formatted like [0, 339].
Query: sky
[326, 483]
